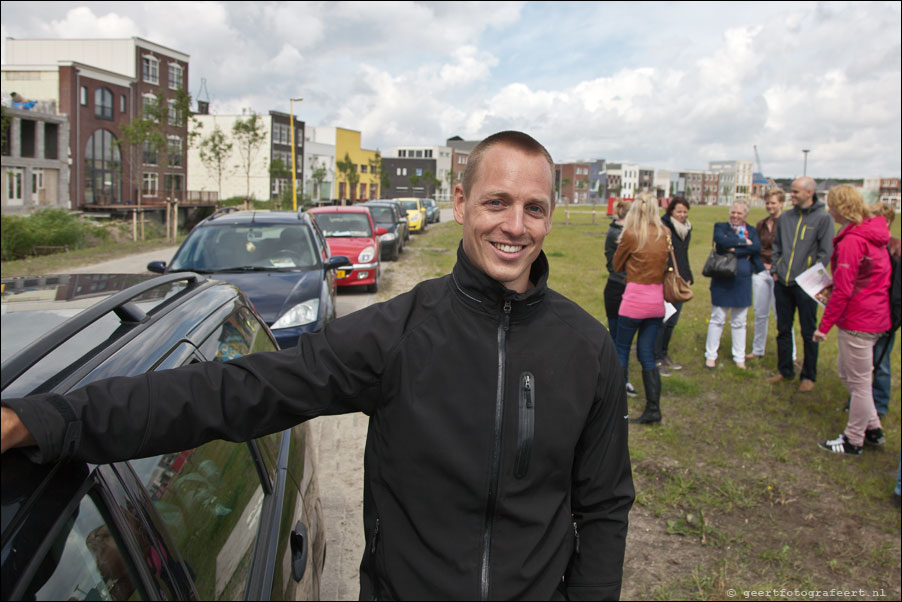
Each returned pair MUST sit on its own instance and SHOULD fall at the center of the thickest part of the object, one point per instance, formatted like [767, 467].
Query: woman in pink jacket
[859, 307]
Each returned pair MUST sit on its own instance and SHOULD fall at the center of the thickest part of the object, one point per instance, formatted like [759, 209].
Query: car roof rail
[223, 211]
[120, 303]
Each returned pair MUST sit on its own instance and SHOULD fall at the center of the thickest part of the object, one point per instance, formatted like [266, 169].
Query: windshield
[410, 205]
[344, 224]
[247, 246]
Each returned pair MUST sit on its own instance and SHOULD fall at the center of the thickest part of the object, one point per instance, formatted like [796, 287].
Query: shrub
[19, 235]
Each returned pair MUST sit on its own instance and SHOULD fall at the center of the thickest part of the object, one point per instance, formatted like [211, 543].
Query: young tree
[430, 182]
[414, 182]
[348, 170]
[249, 135]
[318, 175]
[215, 151]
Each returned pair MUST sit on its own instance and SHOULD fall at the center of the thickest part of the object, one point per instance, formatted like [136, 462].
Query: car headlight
[366, 255]
[390, 236]
[303, 313]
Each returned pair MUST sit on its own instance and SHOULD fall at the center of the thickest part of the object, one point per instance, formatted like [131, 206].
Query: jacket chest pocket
[526, 423]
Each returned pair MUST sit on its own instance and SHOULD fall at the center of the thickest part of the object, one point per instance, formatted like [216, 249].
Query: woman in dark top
[613, 290]
[676, 218]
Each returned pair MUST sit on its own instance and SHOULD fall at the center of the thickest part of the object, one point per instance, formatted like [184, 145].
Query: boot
[651, 379]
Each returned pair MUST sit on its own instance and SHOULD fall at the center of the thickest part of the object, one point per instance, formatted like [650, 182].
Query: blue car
[279, 259]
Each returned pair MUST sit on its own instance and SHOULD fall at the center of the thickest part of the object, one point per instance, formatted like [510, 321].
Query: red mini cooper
[350, 231]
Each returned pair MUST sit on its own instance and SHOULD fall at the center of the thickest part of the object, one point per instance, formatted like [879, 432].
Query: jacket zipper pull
[376, 536]
[576, 532]
[527, 386]
[507, 314]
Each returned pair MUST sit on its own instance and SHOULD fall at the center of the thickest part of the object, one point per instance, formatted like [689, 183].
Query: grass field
[732, 487]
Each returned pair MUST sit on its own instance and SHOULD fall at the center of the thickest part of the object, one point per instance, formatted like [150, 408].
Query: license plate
[341, 273]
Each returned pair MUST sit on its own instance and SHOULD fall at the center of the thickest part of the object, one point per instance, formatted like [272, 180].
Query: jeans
[662, 341]
[763, 302]
[788, 299]
[645, 344]
[854, 364]
[882, 377]
[715, 330]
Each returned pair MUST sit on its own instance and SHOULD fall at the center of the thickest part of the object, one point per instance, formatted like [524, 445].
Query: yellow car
[416, 213]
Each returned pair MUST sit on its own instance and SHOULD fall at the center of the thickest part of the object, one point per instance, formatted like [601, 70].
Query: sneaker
[672, 364]
[662, 369]
[874, 437]
[630, 390]
[841, 445]
[711, 364]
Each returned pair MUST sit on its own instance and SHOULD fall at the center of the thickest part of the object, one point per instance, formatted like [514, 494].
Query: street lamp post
[294, 169]
[805, 166]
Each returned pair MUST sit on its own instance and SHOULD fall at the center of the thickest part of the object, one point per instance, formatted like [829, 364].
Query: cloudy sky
[665, 85]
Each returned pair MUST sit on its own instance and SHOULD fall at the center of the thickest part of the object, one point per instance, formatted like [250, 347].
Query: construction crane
[758, 159]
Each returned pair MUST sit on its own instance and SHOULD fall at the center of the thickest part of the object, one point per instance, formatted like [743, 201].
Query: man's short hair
[518, 140]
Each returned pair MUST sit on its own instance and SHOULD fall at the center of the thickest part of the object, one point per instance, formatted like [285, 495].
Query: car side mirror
[157, 267]
[381, 230]
[337, 261]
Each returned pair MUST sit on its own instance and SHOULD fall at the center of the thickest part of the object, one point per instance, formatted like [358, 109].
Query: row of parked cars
[221, 521]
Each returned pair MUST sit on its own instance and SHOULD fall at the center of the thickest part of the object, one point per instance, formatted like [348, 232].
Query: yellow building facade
[361, 181]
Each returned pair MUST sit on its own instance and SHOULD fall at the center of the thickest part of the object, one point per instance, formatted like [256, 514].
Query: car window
[86, 562]
[344, 224]
[382, 214]
[247, 246]
[211, 497]
[410, 205]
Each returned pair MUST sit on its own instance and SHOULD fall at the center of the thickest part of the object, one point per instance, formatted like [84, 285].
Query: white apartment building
[319, 153]
[735, 180]
[629, 180]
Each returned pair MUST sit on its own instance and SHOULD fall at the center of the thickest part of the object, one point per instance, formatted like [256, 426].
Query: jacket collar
[480, 291]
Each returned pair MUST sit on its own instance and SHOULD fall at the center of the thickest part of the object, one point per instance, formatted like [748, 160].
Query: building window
[419, 172]
[83, 96]
[362, 168]
[402, 154]
[103, 169]
[173, 113]
[419, 154]
[148, 106]
[150, 184]
[103, 104]
[150, 154]
[176, 75]
[15, 176]
[122, 104]
[151, 69]
[172, 182]
[37, 179]
[51, 140]
[428, 154]
[175, 151]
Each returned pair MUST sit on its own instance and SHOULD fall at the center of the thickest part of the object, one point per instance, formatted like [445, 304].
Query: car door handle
[298, 543]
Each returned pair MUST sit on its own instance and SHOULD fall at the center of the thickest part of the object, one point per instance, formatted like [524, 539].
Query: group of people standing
[769, 258]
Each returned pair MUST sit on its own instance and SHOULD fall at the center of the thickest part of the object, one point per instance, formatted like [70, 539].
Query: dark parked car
[222, 521]
[388, 216]
[405, 226]
[433, 213]
[278, 258]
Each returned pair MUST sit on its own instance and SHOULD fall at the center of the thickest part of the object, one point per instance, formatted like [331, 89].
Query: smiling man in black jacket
[496, 461]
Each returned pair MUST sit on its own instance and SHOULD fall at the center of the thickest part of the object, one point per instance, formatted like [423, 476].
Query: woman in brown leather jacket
[642, 253]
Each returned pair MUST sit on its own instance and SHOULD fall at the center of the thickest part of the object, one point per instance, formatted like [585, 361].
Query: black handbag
[720, 265]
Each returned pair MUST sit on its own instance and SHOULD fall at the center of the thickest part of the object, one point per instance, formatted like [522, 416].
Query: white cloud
[81, 22]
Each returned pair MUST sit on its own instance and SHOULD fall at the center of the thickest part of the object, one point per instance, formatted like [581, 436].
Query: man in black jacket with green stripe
[803, 237]
[496, 462]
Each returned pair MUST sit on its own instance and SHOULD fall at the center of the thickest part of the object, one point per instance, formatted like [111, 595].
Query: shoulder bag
[676, 289]
[720, 265]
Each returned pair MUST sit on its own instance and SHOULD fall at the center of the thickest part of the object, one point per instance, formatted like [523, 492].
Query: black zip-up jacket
[496, 462]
